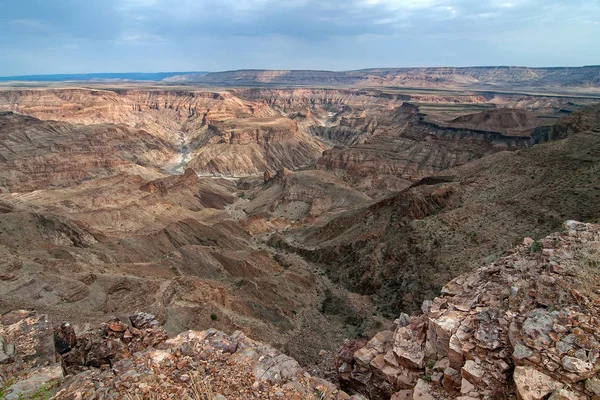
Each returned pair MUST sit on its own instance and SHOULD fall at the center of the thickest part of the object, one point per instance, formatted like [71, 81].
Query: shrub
[536, 247]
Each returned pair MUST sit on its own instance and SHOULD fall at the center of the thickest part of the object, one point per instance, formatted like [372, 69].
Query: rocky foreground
[525, 326]
[134, 359]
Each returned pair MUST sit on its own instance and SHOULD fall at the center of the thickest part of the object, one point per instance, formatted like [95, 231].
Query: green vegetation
[42, 393]
[536, 247]
[5, 386]
[239, 284]
[214, 317]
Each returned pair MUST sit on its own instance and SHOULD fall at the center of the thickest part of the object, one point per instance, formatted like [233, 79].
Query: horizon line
[283, 69]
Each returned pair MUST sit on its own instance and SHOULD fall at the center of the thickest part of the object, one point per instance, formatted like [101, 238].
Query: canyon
[308, 211]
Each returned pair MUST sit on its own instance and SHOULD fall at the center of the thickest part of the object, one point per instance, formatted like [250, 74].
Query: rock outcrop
[28, 359]
[525, 326]
[401, 148]
[510, 122]
[134, 358]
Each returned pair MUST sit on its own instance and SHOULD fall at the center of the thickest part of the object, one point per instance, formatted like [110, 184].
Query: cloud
[341, 34]
[29, 24]
[135, 37]
[402, 4]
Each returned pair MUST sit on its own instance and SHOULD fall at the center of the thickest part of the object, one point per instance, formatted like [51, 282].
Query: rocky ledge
[525, 327]
[133, 358]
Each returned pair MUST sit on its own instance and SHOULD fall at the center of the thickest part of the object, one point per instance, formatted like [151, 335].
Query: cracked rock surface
[525, 327]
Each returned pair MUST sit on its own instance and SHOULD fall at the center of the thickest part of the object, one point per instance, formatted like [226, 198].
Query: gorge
[308, 218]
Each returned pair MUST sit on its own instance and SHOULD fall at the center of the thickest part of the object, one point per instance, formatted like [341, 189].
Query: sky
[81, 36]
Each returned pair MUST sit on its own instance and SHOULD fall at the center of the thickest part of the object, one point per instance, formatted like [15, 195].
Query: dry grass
[589, 273]
[199, 390]
[203, 390]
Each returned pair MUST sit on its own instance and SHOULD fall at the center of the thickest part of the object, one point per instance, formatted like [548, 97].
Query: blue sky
[77, 36]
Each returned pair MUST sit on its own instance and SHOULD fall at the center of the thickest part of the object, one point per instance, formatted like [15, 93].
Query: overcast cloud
[77, 36]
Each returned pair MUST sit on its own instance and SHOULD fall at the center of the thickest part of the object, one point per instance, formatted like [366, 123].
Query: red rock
[117, 326]
[64, 338]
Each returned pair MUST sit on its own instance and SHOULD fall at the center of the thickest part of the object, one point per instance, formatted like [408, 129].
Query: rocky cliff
[399, 148]
[133, 358]
[37, 154]
[525, 326]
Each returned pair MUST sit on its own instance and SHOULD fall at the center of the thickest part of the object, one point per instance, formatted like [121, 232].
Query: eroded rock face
[403, 148]
[481, 210]
[28, 357]
[530, 318]
[219, 133]
[40, 154]
[119, 360]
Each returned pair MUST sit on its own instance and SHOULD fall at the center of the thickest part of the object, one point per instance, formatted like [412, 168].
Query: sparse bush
[589, 273]
[8, 383]
[536, 247]
[214, 317]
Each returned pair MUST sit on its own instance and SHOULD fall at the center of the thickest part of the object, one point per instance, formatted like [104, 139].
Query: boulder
[563, 394]
[451, 380]
[593, 385]
[409, 345]
[422, 391]
[573, 364]
[64, 338]
[532, 384]
[35, 382]
[473, 372]
[440, 330]
[142, 320]
[537, 328]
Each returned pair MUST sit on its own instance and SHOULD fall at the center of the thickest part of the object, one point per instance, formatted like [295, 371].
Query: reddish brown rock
[471, 349]
[267, 176]
[64, 338]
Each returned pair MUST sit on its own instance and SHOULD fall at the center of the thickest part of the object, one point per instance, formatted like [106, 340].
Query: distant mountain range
[587, 77]
[468, 77]
[111, 76]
